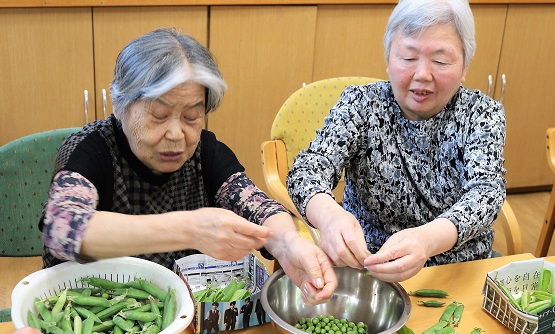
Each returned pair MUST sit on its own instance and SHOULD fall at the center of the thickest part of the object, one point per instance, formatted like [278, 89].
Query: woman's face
[164, 133]
[426, 70]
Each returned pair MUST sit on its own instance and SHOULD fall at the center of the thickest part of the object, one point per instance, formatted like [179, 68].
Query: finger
[249, 229]
[348, 257]
[357, 245]
[394, 271]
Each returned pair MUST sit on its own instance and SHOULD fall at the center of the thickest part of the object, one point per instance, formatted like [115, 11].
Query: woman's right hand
[341, 236]
[224, 235]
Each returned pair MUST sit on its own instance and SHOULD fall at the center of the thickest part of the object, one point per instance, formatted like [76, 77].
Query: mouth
[170, 155]
[420, 94]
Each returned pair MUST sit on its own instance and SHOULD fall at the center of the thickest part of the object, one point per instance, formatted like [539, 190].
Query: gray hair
[411, 17]
[151, 65]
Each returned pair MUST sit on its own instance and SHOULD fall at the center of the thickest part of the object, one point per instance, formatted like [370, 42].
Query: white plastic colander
[49, 282]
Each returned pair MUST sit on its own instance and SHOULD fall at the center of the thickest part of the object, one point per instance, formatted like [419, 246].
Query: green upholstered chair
[25, 174]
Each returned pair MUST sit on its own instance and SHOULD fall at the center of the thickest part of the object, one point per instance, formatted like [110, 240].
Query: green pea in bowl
[381, 306]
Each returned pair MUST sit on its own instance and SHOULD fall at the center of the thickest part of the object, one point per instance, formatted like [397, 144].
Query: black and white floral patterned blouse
[401, 174]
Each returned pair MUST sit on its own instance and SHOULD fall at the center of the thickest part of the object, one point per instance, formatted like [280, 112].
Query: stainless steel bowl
[383, 307]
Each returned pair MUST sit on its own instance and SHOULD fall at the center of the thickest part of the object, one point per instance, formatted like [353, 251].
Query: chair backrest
[304, 111]
[548, 227]
[25, 174]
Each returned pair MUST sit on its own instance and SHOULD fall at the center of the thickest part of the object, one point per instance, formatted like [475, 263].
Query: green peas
[330, 325]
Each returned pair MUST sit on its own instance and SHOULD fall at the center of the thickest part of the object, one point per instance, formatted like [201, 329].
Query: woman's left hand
[309, 268]
[401, 257]
[406, 252]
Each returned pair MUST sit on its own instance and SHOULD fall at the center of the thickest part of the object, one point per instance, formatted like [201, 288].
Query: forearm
[319, 208]
[110, 234]
[284, 231]
[439, 235]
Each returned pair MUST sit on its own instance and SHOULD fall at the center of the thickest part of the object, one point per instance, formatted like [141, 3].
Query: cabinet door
[114, 27]
[490, 24]
[349, 41]
[265, 53]
[46, 64]
[527, 61]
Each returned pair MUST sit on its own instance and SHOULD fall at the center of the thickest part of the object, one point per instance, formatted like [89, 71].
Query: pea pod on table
[431, 303]
[429, 293]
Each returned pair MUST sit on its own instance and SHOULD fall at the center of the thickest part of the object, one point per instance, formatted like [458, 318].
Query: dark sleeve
[218, 163]
[91, 158]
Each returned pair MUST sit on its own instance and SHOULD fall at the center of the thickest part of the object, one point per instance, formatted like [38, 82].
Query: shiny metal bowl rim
[285, 325]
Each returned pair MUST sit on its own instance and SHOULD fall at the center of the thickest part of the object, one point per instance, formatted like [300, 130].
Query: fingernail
[319, 283]
[305, 289]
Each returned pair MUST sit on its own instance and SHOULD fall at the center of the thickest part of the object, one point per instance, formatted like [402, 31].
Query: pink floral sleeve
[72, 202]
[240, 195]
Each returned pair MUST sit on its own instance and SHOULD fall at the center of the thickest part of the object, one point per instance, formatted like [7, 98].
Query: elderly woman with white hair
[151, 182]
[422, 155]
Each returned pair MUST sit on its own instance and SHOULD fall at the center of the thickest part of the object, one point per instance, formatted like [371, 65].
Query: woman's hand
[309, 268]
[406, 252]
[306, 264]
[341, 236]
[224, 235]
[216, 232]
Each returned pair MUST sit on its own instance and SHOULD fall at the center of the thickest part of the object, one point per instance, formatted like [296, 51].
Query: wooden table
[464, 282]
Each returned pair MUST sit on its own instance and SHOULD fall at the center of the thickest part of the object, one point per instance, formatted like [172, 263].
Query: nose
[423, 71]
[174, 131]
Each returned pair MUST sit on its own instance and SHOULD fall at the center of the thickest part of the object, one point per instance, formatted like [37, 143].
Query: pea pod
[169, 309]
[154, 309]
[151, 289]
[540, 295]
[103, 283]
[536, 307]
[448, 312]
[44, 312]
[446, 330]
[229, 290]
[457, 314]
[91, 301]
[525, 299]
[544, 281]
[431, 303]
[429, 293]
[85, 313]
[33, 320]
[436, 327]
[405, 330]
[512, 299]
[132, 293]
[103, 326]
[77, 324]
[152, 329]
[66, 323]
[88, 325]
[62, 297]
[110, 311]
[121, 323]
[240, 294]
[140, 316]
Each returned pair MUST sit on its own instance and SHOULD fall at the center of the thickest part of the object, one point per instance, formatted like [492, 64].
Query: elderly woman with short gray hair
[151, 182]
